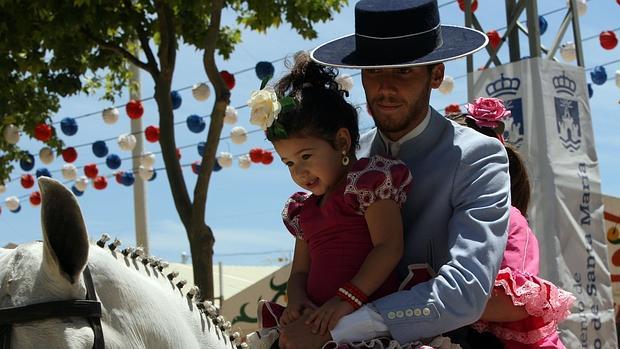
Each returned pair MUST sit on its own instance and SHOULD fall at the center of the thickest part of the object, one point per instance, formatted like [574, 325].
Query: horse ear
[64, 233]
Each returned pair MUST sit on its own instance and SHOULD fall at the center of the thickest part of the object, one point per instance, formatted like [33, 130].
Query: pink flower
[487, 112]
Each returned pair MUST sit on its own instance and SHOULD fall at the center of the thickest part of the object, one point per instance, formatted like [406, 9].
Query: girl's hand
[327, 316]
[294, 310]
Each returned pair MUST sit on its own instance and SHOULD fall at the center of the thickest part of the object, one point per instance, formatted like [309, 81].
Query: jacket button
[409, 312]
[417, 312]
[426, 311]
[391, 315]
[400, 314]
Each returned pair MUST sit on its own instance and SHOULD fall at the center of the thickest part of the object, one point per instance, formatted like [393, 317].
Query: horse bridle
[89, 308]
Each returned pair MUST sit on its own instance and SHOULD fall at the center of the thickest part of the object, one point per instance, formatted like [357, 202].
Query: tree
[59, 48]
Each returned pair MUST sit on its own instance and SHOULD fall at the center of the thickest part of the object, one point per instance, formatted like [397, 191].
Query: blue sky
[244, 206]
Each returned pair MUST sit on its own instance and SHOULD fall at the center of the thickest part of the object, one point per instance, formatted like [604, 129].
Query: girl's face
[314, 164]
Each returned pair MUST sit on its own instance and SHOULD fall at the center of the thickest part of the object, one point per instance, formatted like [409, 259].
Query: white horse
[142, 306]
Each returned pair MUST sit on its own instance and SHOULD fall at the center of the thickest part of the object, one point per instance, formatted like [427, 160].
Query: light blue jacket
[455, 219]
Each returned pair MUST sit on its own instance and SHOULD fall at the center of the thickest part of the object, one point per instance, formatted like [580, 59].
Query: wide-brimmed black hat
[399, 33]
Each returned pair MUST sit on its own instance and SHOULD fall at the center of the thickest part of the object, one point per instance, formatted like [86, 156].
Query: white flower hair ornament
[265, 108]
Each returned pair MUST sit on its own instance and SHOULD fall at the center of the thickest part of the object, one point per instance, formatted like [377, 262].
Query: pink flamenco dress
[546, 304]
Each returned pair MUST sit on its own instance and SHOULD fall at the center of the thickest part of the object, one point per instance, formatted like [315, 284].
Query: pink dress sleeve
[376, 178]
[290, 213]
[546, 304]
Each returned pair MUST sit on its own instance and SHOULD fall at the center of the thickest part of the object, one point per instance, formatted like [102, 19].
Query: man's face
[398, 97]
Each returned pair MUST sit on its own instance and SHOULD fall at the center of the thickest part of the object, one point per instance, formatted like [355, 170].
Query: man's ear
[437, 75]
[343, 140]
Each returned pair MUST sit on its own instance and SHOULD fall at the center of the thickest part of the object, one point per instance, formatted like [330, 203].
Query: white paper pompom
[12, 202]
[618, 78]
[231, 115]
[126, 142]
[345, 82]
[582, 6]
[69, 171]
[145, 173]
[2, 188]
[110, 115]
[11, 134]
[201, 91]
[225, 159]
[81, 183]
[568, 51]
[244, 161]
[447, 85]
[147, 160]
[238, 135]
[46, 155]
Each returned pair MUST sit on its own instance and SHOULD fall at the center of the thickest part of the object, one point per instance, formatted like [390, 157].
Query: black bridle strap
[89, 308]
[95, 321]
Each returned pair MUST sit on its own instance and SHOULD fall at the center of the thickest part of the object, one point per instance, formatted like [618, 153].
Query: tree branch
[222, 99]
[118, 50]
[167, 48]
[141, 22]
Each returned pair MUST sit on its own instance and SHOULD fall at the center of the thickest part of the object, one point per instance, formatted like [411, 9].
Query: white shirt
[366, 322]
[393, 147]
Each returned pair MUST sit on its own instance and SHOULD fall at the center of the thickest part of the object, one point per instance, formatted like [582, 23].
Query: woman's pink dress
[546, 304]
[336, 231]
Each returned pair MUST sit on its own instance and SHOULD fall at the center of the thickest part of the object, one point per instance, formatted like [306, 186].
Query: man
[456, 214]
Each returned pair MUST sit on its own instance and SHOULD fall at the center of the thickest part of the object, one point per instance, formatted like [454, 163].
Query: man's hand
[298, 335]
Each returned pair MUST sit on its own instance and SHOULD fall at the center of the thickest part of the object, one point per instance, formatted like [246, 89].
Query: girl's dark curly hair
[321, 109]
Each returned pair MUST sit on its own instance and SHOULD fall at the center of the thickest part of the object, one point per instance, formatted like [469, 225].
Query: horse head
[141, 305]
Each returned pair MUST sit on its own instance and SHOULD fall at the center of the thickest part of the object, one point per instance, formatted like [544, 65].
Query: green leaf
[287, 104]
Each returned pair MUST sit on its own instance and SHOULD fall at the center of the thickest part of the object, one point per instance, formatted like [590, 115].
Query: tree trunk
[201, 243]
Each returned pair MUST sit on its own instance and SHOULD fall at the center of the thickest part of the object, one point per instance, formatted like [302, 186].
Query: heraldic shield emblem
[567, 112]
[505, 88]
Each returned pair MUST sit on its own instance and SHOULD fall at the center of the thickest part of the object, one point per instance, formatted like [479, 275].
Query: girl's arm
[296, 288]
[501, 309]
[386, 231]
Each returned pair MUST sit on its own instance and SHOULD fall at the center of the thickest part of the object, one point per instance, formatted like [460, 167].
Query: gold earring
[345, 158]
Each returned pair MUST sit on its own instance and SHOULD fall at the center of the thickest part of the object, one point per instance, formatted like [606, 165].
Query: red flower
[487, 112]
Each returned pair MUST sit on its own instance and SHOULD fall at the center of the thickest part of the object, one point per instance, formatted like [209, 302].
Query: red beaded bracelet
[349, 298]
[356, 292]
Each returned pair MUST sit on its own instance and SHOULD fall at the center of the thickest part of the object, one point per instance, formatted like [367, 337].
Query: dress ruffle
[546, 304]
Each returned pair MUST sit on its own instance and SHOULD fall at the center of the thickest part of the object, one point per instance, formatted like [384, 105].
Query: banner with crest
[551, 126]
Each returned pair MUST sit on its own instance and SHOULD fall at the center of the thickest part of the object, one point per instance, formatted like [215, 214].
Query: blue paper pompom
[590, 91]
[100, 149]
[264, 70]
[195, 123]
[75, 191]
[599, 75]
[27, 164]
[43, 172]
[176, 99]
[68, 126]
[542, 24]
[113, 161]
[127, 179]
[201, 148]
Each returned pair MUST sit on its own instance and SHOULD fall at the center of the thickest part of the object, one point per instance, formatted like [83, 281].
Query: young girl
[348, 227]
[524, 310]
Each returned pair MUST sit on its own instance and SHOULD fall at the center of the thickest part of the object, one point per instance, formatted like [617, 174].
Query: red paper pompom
[151, 134]
[91, 170]
[256, 155]
[27, 181]
[228, 78]
[69, 154]
[494, 38]
[43, 132]
[474, 5]
[35, 198]
[100, 183]
[453, 109]
[196, 167]
[119, 177]
[134, 109]
[608, 40]
[178, 154]
[267, 157]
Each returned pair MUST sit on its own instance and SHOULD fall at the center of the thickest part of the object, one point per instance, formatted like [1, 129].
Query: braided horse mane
[144, 305]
